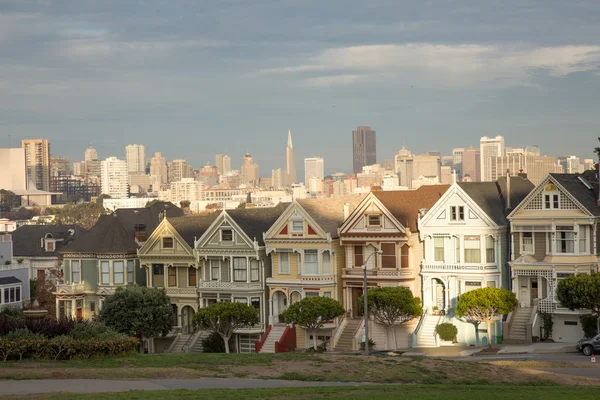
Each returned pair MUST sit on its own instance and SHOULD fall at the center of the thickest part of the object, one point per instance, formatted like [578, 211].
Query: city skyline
[419, 74]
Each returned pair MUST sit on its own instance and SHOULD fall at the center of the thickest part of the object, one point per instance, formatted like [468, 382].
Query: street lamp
[365, 299]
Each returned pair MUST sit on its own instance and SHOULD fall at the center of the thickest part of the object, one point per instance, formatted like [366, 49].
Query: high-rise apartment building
[364, 148]
[471, 164]
[223, 163]
[290, 163]
[278, 178]
[115, 178]
[457, 155]
[249, 171]
[427, 165]
[135, 154]
[179, 169]
[404, 162]
[90, 154]
[489, 147]
[570, 164]
[37, 160]
[588, 164]
[314, 167]
[158, 167]
[535, 166]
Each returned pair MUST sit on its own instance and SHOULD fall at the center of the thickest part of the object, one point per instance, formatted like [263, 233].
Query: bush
[213, 343]
[447, 331]
[45, 326]
[548, 324]
[11, 312]
[588, 324]
[372, 344]
[94, 330]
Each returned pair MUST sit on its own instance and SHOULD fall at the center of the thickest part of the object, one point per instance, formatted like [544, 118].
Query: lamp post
[365, 300]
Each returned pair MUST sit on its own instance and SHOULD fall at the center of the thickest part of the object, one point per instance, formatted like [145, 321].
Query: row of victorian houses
[439, 241]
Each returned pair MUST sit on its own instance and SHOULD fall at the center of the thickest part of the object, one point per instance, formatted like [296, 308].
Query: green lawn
[361, 392]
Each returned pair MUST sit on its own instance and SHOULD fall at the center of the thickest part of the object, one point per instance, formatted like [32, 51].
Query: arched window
[490, 250]
[404, 256]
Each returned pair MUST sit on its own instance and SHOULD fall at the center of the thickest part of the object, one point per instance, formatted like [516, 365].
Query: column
[231, 269]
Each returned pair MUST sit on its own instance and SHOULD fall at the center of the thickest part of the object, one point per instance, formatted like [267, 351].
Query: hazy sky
[195, 78]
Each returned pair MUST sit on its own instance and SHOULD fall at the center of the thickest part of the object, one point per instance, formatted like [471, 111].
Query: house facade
[465, 235]
[554, 234]
[386, 221]
[307, 260]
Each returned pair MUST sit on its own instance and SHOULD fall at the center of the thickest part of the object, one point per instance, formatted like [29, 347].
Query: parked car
[589, 346]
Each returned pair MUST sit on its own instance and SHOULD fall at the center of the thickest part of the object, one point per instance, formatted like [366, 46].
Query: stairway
[427, 333]
[177, 346]
[196, 347]
[518, 327]
[274, 336]
[346, 340]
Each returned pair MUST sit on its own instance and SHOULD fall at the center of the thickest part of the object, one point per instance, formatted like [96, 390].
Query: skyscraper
[90, 154]
[404, 162]
[115, 178]
[278, 177]
[489, 147]
[570, 164]
[37, 160]
[457, 154]
[158, 167]
[314, 167]
[364, 148]
[179, 169]
[135, 154]
[223, 163]
[249, 171]
[290, 164]
[471, 165]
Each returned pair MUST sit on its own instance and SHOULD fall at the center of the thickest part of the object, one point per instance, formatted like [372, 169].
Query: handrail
[338, 332]
[531, 324]
[281, 345]
[359, 328]
[177, 334]
[185, 346]
[507, 325]
[260, 343]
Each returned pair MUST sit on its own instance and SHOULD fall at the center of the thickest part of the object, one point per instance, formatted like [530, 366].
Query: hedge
[45, 326]
[63, 347]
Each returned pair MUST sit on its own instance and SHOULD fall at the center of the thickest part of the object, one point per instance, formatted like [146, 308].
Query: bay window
[311, 262]
[118, 272]
[565, 240]
[254, 270]
[388, 258]
[490, 250]
[472, 249]
[326, 262]
[438, 246]
[240, 269]
[284, 263]
[105, 272]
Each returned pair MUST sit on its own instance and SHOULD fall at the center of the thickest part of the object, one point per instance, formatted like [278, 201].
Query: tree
[74, 198]
[83, 214]
[241, 206]
[24, 213]
[224, 318]
[185, 204]
[9, 199]
[391, 306]
[597, 150]
[100, 199]
[580, 292]
[138, 311]
[312, 312]
[485, 305]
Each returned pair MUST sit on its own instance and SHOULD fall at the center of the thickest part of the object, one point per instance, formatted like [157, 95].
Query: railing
[506, 325]
[182, 291]
[457, 267]
[317, 279]
[70, 288]
[531, 323]
[191, 340]
[358, 334]
[287, 341]
[260, 343]
[414, 336]
[379, 273]
[229, 285]
[340, 328]
[177, 333]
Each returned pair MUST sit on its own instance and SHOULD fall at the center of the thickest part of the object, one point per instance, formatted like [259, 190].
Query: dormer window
[374, 220]
[227, 235]
[49, 245]
[457, 213]
[167, 243]
[298, 226]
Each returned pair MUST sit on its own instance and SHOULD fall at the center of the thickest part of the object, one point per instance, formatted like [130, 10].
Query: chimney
[140, 233]
[507, 189]
[346, 211]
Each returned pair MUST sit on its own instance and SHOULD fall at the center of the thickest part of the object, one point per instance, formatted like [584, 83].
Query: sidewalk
[466, 351]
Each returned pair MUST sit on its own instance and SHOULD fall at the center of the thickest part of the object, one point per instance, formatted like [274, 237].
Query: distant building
[457, 155]
[37, 159]
[570, 164]
[314, 167]
[209, 175]
[179, 169]
[428, 165]
[404, 162]
[588, 164]
[231, 180]
[364, 145]
[536, 167]
[135, 155]
[139, 182]
[94, 168]
[249, 171]
[115, 178]
[471, 165]
[90, 154]
[158, 167]
[488, 148]
[14, 172]
[278, 178]
[446, 175]
[223, 163]
[290, 163]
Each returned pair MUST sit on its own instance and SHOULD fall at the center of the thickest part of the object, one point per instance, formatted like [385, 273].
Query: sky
[195, 78]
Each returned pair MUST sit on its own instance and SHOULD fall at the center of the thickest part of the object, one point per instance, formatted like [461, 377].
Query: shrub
[45, 326]
[447, 331]
[94, 330]
[213, 343]
[548, 324]
[589, 325]
[372, 344]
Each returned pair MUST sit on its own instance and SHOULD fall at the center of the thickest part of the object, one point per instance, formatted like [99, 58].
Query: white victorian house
[466, 247]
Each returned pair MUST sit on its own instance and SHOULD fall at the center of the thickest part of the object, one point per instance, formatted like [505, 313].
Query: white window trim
[551, 194]
[457, 213]
[368, 221]
[162, 243]
[292, 230]
[80, 272]
[521, 244]
[110, 276]
[318, 264]
[227, 241]
[279, 270]
[11, 286]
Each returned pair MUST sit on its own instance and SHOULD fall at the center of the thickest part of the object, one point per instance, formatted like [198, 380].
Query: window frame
[404, 256]
[356, 255]
[195, 275]
[386, 256]
[326, 265]
[376, 223]
[582, 239]
[168, 242]
[120, 263]
[254, 270]
[490, 252]
[172, 275]
[227, 235]
[78, 263]
[313, 254]
[130, 271]
[522, 240]
[281, 263]
[104, 274]
[560, 240]
[293, 227]
[457, 255]
[439, 256]
[551, 200]
[471, 251]
[215, 264]
[457, 213]
[238, 270]
[11, 294]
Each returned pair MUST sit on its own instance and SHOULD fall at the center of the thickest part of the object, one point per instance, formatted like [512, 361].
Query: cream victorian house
[307, 260]
[554, 234]
[386, 221]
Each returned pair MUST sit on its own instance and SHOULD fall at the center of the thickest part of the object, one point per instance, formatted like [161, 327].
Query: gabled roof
[192, 227]
[578, 189]
[108, 236]
[255, 221]
[27, 239]
[405, 204]
[149, 216]
[491, 196]
[329, 212]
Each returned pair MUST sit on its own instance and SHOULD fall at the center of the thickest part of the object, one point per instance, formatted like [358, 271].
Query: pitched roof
[491, 196]
[329, 212]
[108, 236]
[255, 221]
[405, 204]
[148, 216]
[578, 189]
[9, 280]
[27, 239]
[190, 227]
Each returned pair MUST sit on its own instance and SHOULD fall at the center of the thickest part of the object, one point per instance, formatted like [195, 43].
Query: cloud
[442, 64]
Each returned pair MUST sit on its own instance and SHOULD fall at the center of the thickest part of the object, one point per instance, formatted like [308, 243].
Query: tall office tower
[290, 163]
[471, 164]
[37, 160]
[278, 178]
[90, 154]
[536, 167]
[364, 148]
[226, 164]
[115, 178]
[427, 165]
[249, 171]
[457, 155]
[223, 163]
[179, 169]
[404, 162]
[158, 167]
[314, 167]
[135, 154]
[489, 147]
[570, 164]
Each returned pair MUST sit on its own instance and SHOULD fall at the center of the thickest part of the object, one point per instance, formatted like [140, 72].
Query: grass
[347, 393]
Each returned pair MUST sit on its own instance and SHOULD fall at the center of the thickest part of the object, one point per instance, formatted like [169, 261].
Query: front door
[356, 293]
[439, 296]
[534, 291]
[41, 275]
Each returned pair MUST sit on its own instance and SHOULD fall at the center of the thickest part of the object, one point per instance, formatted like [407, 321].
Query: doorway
[439, 294]
[528, 290]
[187, 314]
[356, 293]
